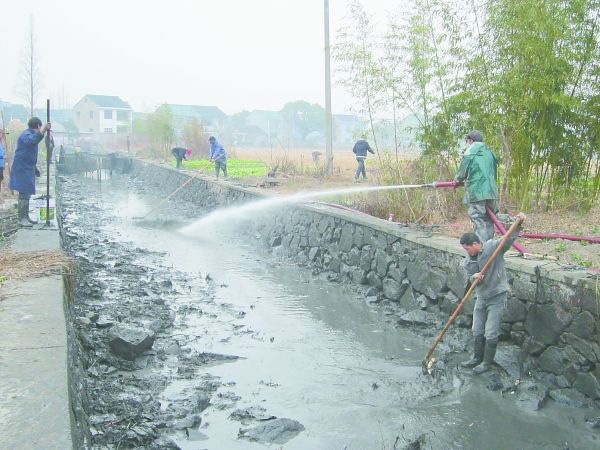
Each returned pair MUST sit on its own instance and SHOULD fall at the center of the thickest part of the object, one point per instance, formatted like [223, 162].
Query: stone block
[557, 359]
[392, 289]
[129, 342]
[590, 350]
[426, 279]
[346, 237]
[366, 257]
[396, 274]
[583, 326]
[353, 257]
[373, 279]
[382, 261]
[524, 288]
[546, 322]
[515, 310]
[587, 383]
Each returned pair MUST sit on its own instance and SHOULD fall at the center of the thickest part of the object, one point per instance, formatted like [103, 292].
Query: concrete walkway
[34, 400]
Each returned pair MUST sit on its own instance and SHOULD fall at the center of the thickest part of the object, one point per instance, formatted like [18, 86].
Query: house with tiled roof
[103, 114]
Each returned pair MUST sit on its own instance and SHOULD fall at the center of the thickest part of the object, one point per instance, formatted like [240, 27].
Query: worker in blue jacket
[219, 156]
[2, 140]
[360, 149]
[24, 170]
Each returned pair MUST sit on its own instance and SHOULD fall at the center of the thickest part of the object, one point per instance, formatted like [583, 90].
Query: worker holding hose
[492, 294]
[478, 170]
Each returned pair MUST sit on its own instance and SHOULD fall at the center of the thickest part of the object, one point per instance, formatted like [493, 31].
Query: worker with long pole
[488, 278]
[49, 141]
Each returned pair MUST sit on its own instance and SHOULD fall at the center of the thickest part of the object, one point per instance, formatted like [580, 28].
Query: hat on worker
[475, 136]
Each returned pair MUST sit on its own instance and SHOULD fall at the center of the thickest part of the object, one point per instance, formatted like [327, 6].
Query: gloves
[37, 172]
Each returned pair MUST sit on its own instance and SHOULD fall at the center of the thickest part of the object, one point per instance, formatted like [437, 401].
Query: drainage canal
[204, 341]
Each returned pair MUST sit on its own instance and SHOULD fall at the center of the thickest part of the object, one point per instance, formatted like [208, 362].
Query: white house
[98, 114]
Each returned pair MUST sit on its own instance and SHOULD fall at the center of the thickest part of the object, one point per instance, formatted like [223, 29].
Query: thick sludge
[248, 351]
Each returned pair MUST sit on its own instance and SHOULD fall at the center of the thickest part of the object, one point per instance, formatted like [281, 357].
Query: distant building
[11, 111]
[103, 114]
[211, 117]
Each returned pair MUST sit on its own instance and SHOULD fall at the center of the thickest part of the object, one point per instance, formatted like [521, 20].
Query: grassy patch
[236, 168]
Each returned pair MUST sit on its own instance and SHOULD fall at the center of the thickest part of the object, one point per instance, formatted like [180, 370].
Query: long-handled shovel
[174, 192]
[429, 361]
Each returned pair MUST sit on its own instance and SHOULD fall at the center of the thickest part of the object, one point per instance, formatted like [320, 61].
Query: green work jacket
[478, 170]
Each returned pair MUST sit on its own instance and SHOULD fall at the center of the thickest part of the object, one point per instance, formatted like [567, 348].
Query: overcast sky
[234, 54]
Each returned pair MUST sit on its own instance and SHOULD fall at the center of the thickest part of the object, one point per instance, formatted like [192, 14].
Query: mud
[251, 351]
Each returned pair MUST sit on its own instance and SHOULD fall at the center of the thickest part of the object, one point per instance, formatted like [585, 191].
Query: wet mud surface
[207, 342]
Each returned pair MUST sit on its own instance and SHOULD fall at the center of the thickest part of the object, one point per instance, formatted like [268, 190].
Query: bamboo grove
[525, 72]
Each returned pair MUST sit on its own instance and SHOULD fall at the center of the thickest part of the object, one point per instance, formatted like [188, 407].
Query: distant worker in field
[219, 156]
[24, 170]
[179, 154]
[478, 170]
[361, 149]
[492, 295]
[2, 145]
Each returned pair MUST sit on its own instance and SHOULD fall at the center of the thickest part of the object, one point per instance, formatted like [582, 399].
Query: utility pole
[328, 119]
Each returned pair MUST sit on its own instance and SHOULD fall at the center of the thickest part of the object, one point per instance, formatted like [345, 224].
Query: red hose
[447, 184]
[502, 230]
[568, 237]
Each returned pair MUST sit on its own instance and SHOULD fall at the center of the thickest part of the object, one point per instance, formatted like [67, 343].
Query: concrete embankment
[34, 400]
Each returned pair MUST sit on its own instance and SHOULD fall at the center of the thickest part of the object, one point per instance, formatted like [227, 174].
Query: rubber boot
[488, 358]
[22, 210]
[31, 221]
[478, 346]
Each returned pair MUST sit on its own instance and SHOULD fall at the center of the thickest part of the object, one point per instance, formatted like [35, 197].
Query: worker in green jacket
[478, 170]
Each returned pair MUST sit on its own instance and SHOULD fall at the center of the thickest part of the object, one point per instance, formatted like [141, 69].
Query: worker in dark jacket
[24, 170]
[360, 149]
[478, 170]
[492, 295]
[179, 154]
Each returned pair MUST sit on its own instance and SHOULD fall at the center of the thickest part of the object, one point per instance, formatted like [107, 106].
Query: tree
[161, 130]
[30, 78]
[195, 137]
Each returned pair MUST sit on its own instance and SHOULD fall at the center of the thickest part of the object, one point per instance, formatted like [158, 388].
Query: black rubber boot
[23, 213]
[31, 221]
[478, 345]
[488, 359]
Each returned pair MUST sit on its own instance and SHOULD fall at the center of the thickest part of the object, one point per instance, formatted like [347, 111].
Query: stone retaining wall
[552, 314]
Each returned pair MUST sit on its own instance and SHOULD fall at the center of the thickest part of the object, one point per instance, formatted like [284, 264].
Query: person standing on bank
[360, 149]
[179, 154]
[2, 144]
[24, 170]
[219, 156]
[492, 295]
[478, 170]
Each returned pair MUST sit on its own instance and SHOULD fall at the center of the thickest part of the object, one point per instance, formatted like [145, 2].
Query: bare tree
[30, 79]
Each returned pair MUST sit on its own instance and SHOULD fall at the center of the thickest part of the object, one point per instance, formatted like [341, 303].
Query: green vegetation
[236, 168]
[580, 261]
[560, 247]
[525, 72]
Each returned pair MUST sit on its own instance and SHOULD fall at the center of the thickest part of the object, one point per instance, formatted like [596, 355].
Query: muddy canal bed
[209, 342]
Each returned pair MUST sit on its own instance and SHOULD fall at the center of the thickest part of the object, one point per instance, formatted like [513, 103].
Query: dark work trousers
[487, 315]
[361, 167]
[220, 166]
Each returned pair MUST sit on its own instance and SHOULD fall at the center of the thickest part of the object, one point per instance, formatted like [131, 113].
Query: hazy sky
[234, 54]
